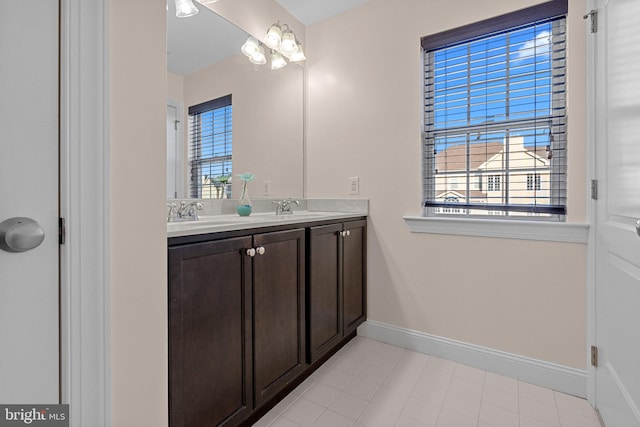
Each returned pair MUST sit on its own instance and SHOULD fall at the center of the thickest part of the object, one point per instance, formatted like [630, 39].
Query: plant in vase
[244, 204]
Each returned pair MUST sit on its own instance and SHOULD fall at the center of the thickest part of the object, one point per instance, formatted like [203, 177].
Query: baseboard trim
[557, 377]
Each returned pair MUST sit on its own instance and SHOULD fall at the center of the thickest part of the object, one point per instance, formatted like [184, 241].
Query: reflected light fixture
[277, 61]
[288, 43]
[298, 55]
[282, 42]
[273, 37]
[185, 8]
[258, 57]
[250, 46]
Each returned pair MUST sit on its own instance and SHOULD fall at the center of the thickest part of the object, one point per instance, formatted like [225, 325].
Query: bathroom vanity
[255, 306]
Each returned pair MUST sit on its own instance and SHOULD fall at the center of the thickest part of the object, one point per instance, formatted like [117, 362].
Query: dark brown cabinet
[354, 263]
[336, 286]
[279, 311]
[249, 313]
[210, 321]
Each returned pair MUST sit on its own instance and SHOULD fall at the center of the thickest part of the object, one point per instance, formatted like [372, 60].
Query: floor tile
[321, 393]
[372, 384]
[332, 419]
[348, 405]
[574, 404]
[449, 418]
[419, 411]
[303, 412]
[501, 382]
[462, 404]
[498, 417]
[500, 398]
[361, 388]
[537, 393]
[376, 415]
[539, 411]
[571, 419]
[336, 379]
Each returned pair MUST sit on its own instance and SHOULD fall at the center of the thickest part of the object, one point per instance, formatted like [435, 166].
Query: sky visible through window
[216, 141]
[506, 77]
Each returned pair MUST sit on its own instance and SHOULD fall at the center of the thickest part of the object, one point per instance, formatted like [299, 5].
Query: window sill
[503, 229]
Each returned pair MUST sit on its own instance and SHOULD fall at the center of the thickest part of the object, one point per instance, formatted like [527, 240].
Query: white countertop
[218, 223]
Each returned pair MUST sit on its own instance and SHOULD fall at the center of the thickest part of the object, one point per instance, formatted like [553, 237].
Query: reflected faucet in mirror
[187, 211]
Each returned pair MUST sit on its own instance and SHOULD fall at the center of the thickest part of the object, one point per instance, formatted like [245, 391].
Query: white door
[617, 292]
[29, 331]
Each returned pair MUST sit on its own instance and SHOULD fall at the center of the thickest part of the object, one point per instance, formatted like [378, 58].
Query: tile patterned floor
[369, 383]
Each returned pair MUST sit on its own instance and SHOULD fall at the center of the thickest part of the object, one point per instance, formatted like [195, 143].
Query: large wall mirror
[205, 63]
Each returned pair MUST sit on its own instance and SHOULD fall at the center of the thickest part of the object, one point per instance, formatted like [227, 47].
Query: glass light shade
[277, 61]
[250, 46]
[288, 45]
[185, 8]
[273, 37]
[258, 57]
[298, 55]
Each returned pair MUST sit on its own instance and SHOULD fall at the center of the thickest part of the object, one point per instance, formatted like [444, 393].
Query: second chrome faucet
[283, 207]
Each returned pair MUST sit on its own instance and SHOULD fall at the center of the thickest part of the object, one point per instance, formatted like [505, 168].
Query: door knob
[638, 227]
[20, 234]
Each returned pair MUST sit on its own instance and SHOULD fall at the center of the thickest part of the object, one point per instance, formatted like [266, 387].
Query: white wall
[138, 92]
[364, 119]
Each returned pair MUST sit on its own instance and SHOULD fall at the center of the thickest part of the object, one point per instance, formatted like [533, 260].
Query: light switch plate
[267, 188]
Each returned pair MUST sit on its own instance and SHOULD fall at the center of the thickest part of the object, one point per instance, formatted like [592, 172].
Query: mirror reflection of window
[210, 149]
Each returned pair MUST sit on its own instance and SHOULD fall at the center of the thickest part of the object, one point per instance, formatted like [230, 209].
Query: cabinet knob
[260, 250]
[251, 252]
[348, 233]
[343, 233]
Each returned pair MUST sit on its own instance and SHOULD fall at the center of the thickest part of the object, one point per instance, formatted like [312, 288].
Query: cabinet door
[354, 275]
[279, 311]
[210, 372]
[324, 290]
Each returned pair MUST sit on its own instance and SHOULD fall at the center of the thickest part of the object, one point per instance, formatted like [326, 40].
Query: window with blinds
[495, 117]
[210, 147]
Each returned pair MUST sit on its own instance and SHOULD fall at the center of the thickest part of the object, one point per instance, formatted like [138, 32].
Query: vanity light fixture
[185, 8]
[282, 42]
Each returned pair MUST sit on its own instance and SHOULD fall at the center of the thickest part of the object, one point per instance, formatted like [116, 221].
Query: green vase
[244, 204]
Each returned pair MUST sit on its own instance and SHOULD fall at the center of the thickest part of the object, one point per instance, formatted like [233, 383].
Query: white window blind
[495, 118]
[210, 148]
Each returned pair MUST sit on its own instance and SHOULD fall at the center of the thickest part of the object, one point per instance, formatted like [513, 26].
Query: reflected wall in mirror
[205, 63]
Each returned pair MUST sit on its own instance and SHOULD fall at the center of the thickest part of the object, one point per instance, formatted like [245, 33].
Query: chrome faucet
[283, 207]
[187, 211]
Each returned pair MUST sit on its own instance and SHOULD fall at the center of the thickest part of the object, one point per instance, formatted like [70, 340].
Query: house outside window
[495, 114]
[210, 149]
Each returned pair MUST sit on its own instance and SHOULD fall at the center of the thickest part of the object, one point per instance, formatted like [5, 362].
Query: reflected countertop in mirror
[204, 62]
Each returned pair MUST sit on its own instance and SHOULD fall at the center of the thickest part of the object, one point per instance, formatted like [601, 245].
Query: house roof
[454, 158]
